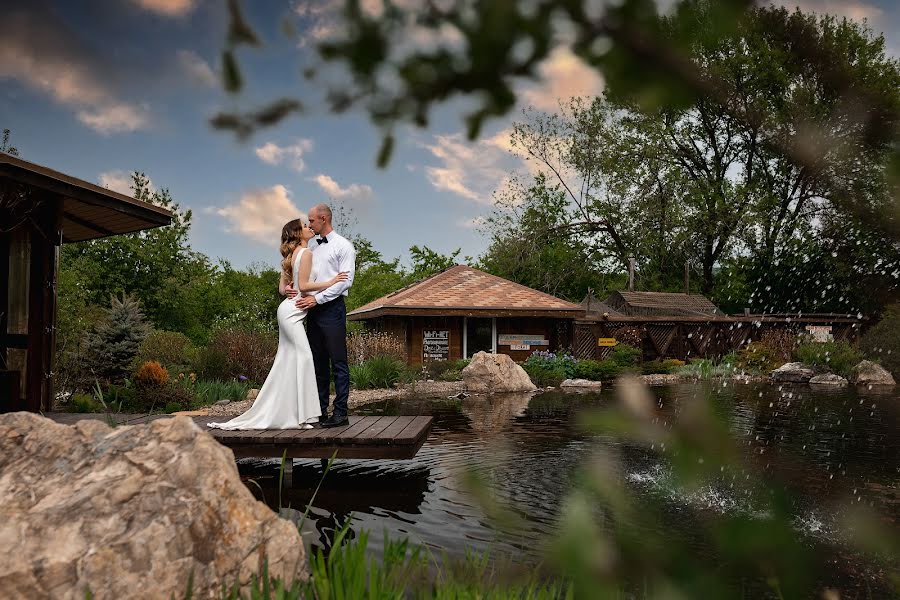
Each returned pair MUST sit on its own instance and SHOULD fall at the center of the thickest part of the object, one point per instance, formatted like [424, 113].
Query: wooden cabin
[461, 311]
[40, 209]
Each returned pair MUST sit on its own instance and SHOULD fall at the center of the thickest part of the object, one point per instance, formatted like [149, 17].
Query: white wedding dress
[289, 398]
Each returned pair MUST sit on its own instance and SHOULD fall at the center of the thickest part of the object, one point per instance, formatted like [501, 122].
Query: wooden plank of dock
[372, 437]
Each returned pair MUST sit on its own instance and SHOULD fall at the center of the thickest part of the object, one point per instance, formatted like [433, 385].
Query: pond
[837, 447]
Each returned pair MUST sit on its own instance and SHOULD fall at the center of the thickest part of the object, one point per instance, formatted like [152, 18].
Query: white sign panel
[519, 347]
[820, 333]
[508, 339]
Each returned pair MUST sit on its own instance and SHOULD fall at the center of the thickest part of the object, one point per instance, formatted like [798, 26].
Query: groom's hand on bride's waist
[306, 302]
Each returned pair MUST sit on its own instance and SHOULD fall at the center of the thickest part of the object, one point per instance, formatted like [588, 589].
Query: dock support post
[288, 478]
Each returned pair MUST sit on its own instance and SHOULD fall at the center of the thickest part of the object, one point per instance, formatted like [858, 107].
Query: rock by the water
[495, 373]
[580, 383]
[828, 379]
[252, 394]
[793, 373]
[130, 512]
[871, 373]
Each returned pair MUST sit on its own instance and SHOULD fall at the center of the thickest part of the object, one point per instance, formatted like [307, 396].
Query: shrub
[780, 343]
[838, 357]
[542, 375]
[624, 355]
[158, 399]
[603, 370]
[436, 368]
[364, 345]
[655, 367]
[171, 349]
[881, 343]
[85, 403]
[210, 363]
[151, 374]
[116, 339]
[757, 357]
[207, 392]
[244, 353]
[563, 363]
[379, 372]
[673, 363]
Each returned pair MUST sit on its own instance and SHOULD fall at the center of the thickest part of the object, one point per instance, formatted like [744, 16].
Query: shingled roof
[662, 304]
[464, 291]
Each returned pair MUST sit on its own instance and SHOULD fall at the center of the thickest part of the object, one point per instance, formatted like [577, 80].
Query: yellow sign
[606, 342]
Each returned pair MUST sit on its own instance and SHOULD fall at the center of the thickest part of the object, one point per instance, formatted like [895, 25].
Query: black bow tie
[322, 240]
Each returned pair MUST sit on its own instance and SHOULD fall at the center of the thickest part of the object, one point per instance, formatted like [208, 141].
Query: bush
[594, 370]
[757, 357]
[364, 345]
[210, 363]
[837, 357]
[544, 376]
[378, 372]
[780, 343]
[151, 374]
[166, 398]
[171, 349]
[655, 367]
[85, 403]
[625, 355]
[562, 363]
[244, 353]
[881, 343]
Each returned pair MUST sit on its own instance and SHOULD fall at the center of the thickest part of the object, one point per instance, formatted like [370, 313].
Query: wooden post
[687, 278]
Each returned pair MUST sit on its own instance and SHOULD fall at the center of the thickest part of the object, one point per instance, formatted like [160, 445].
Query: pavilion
[40, 209]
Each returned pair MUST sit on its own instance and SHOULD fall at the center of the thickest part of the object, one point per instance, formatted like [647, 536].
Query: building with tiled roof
[661, 304]
[462, 310]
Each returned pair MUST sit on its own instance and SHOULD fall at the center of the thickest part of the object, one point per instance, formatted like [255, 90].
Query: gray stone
[580, 383]
[871, 373]
[495, 373]
[130, 512]
[793, 373]
[828, 379]
[223, 402]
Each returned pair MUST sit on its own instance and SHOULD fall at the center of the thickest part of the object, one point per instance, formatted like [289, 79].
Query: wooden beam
[87, 224]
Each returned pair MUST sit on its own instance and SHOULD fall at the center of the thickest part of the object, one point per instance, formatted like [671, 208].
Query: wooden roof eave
[436, 311]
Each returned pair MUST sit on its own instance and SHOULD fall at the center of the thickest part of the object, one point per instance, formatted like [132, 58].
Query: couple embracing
[317, 271]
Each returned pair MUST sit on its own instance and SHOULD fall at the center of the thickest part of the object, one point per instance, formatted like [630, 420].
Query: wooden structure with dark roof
[656, 304]
[462, 310]
[39, 210]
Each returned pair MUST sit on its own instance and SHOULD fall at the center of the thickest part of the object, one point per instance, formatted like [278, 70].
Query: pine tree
[115, 341]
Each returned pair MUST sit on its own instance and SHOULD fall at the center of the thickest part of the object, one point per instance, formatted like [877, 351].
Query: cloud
[168, 8]
[292, 156]
[852, 9]
[471, 170]
[114, 118]
[117, 181]
[320, 20]
[196, 69]
[354, 192]
[473, 223]
[563, 75]
[260, 214]
[42, 53]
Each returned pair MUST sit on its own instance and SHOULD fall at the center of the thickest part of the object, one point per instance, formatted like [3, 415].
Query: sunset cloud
[563, 75]
[168, 8]
[354, 193]
[470, 170]
[292, 155]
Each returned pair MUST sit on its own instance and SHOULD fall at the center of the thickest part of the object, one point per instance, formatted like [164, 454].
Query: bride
[289, 398]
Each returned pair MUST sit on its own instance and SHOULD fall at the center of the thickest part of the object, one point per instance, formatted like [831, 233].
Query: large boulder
[793, 373]
[495, 373]
[828, 379]
[130, 512]
[870, 373]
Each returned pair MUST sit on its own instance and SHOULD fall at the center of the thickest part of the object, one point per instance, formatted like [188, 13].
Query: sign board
[820, 333]
[519, 347]
[436, 344]
[607, 342]
[508, 339]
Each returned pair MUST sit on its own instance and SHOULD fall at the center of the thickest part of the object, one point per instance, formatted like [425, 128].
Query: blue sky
[98, 88]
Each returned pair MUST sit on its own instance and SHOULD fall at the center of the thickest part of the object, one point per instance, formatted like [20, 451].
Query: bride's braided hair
[290, 239]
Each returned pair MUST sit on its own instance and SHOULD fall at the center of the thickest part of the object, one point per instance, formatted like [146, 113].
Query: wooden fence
[694, 337]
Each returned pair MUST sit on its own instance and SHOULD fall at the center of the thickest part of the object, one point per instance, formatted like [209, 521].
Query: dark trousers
[327, 333]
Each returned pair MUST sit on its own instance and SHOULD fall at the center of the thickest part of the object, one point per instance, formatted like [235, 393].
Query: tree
[5, 146]
[116, 339]
[426, 262]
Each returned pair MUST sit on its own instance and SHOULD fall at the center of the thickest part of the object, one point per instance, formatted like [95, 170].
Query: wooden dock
[393, 437]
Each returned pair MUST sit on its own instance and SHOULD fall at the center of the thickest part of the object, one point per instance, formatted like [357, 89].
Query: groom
[326, 323]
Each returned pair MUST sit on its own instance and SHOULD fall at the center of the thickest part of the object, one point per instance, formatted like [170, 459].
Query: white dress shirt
[337, 256]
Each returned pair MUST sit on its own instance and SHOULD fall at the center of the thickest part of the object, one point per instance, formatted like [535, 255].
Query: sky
[99, 88]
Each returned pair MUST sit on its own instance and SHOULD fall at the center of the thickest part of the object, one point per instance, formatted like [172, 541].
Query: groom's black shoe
[335, 421]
